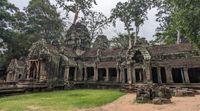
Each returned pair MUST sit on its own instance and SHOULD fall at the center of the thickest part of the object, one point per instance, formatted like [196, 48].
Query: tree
[7, 10]
[124, 13]
[95, 22]
[121, 41]
[76, 7]
[101, 42]
[134, 11]
[179, 19]
[43, 20]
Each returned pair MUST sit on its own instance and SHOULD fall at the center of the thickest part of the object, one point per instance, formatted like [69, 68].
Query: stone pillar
[169, 75]
[187, 80]
[80, 74]
[122, 74]
[118, 75]
[85, 69]
[159, 75]
[95, 74]
[28, 68]
[107, 74]
[66, 74]
[133, 75]
[130, 73]
[148, 72]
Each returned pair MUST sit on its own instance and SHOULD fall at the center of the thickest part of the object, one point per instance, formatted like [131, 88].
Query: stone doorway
[139, 74]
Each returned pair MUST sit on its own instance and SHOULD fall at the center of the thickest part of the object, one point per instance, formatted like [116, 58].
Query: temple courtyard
[91, 100]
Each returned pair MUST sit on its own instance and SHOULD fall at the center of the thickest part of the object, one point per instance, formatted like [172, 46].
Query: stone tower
[78, 37]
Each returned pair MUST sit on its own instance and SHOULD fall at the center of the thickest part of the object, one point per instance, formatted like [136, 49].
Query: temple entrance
[34, 69]
[154, 74]
[138, 57]
[101, 74]
[90, 73]
[194, 75]
[178, 75]
[113, 74]
[71, 73]
[139, 74]
[163, 75]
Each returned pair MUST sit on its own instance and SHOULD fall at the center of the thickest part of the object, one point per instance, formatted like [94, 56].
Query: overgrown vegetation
[59, 100]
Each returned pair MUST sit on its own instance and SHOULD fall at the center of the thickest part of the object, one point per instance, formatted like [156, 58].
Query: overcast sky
[104, 6]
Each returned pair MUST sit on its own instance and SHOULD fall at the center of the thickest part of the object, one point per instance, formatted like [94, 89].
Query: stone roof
[181, 62]
[170, 49]
[111, 52]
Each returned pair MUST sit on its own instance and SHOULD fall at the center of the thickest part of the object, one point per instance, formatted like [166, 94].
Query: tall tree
[134, 11]
[123, 12]
[95, 22]
[120, 41]
[77, 7]
[179, 18]
[44, 20]
[7, 11]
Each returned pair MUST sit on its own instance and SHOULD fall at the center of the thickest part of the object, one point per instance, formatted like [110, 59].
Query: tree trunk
[76, 16]
[136, 34]
[130, 39]
[178, 37]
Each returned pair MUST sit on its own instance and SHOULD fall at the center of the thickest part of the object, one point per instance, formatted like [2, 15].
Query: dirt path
[125, 103]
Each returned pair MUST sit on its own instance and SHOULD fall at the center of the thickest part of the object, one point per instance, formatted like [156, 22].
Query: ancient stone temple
[75, 62]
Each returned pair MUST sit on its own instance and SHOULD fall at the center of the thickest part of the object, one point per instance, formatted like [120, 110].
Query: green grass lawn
[59, 100]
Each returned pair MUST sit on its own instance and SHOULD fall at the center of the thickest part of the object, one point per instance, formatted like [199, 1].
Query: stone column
[148, 72]
[66, 74]
[159, 75]
[122, 74]
[169, 75]
[133, 75]
[118, 75]
[130, 73]
[80, 74]
[85, 69]
[28, 68]
[107, 74]
[187, 80]
[95, 74]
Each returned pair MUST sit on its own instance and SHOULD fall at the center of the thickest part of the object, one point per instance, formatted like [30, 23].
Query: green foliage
[76, 6]
[121, 41]
[181, 15]
[131, 12]
[59, 101]
[43, 20]
[101, 42]
[95, 22]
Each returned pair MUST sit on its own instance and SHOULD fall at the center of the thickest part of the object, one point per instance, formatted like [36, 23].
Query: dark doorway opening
[139, 75]
[178, 75]
[125, 76]
[163, 75]
[33, 70]
[101, 74]
[71, 73]
[154, 74]
[138, 57]
[194, 75]
[90, 73]
[113, 74]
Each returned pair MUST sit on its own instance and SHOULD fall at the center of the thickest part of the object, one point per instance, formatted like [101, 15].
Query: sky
[147, 30]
